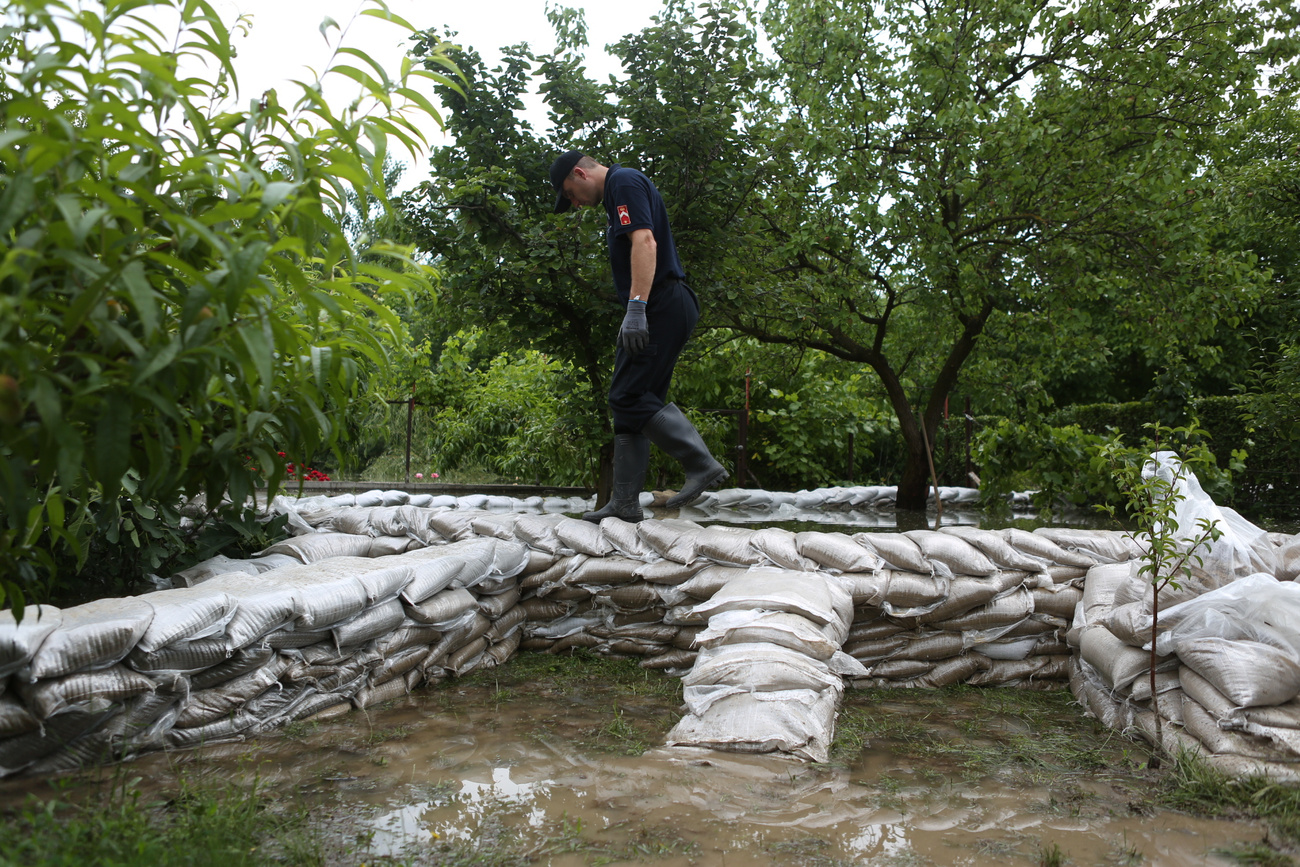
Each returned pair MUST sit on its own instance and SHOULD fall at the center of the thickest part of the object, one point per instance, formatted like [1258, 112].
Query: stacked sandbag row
[963, 605]
[238, 653]
[1226, 662]
[770, 675]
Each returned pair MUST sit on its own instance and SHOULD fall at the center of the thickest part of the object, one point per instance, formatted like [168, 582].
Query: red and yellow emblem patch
[623, 216]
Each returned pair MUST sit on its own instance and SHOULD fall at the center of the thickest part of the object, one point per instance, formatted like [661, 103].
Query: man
[661, 314]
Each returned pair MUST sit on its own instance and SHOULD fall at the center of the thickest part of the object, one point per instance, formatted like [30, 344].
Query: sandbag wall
[325, 629]
[368, 602]
[1227, 654]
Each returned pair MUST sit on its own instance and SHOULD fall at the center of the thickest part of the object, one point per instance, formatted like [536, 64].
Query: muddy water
[537, 762]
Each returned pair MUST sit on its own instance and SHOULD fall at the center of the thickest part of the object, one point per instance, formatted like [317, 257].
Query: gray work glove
[634, 333]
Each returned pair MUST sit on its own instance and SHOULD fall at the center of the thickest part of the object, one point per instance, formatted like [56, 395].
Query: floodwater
[540, 762]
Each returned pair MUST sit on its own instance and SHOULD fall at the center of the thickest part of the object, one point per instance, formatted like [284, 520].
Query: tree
[960, 164]
[178, 299]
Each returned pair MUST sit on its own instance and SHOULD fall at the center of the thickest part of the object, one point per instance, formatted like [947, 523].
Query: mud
[541, 761]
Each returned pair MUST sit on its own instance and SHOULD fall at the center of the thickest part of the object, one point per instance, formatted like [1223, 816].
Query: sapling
[1150, 498]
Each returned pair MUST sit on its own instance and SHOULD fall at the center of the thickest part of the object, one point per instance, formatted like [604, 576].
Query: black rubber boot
[673, 432]
[631, 457]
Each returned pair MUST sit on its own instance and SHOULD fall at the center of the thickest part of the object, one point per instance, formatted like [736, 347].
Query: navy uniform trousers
[639, 387]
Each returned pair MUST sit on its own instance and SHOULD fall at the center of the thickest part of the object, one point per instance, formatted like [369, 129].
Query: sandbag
[781, 548]
[799, 722]
[1249, 673]
[897, 551]
[995, 546]
[322, 546]
[185, 614]
[94, 635]
[815, 597]
[20, 641]
[837, 552]
[768, 627]
[961, 557]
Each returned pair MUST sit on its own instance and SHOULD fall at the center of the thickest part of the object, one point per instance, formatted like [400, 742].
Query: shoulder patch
[623, 216]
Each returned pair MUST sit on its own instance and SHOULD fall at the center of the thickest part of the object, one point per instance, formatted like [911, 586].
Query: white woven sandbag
[808, 594]
[538, 531]
[769, 627]
[910, 594]
[866, 588]
[322, 546]
[375, 621]
[583, 537]
[15, 719]
[781, 548]
[19, 641]
[1247, 672]
[728, 545]
[798, 722]
[261, 606]
[1288, 560]
[709, 580]
[1117, 663]
[1060, 600]
[898, 551]
[960, 556]
[1041, 547]
[444, 606]
[759, 668]
[838, 552]
[995, 546]
[392, 520]
[455, 524]
[210, 568]
[90, 636]
[185, 614]
[932, 646]
[1204, 693]
[353, 521]
[497, 526]
[89, 691]
[187, 657]
[668, 572]
[964, 593]
[673, 539]
[626, 540]
[1103, 546]
[1099, 588]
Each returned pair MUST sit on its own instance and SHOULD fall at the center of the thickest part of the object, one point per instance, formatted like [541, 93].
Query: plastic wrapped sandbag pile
[1227, 682]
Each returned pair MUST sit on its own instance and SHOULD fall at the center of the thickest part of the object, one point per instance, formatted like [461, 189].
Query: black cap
[561, 169]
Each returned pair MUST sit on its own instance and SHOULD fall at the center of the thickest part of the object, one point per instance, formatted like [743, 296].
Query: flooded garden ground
[557, 760]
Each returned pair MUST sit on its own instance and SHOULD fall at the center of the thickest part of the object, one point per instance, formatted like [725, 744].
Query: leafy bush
[176, 291]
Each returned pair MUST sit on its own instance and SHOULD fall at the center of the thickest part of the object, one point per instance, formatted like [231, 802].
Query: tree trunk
[913, 488]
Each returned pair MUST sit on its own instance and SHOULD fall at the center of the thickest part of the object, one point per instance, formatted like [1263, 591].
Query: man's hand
[634, 333]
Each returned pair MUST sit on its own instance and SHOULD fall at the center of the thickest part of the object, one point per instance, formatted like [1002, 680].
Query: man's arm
[644, 257]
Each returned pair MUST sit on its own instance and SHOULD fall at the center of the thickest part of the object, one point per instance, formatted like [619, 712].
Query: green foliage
[1016, 456]
[178, 299]
[203, 824]
[508, 417]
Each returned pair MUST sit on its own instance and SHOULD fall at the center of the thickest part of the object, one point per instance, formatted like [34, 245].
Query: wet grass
[1195, 787]
[198, 823]
[638, 705]
[980, 732]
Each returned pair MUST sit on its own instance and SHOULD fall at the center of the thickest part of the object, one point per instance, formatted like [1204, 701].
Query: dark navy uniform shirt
[632, 202]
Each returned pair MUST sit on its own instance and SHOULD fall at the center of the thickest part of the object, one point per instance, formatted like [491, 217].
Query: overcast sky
[285, 36]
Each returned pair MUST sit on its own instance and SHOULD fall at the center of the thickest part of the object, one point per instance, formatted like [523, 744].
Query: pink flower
[419, 475]
[433, 475]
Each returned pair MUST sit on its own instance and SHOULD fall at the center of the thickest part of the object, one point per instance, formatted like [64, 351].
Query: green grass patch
[114, 823]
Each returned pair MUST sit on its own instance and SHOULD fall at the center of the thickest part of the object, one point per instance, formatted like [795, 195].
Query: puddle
[536, 762]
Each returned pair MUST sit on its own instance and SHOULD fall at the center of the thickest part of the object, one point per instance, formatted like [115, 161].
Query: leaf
[142, 296]
[113, 444]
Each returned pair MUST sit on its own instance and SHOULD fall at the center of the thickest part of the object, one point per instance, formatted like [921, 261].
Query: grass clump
[1194, 786]
[114, 823]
